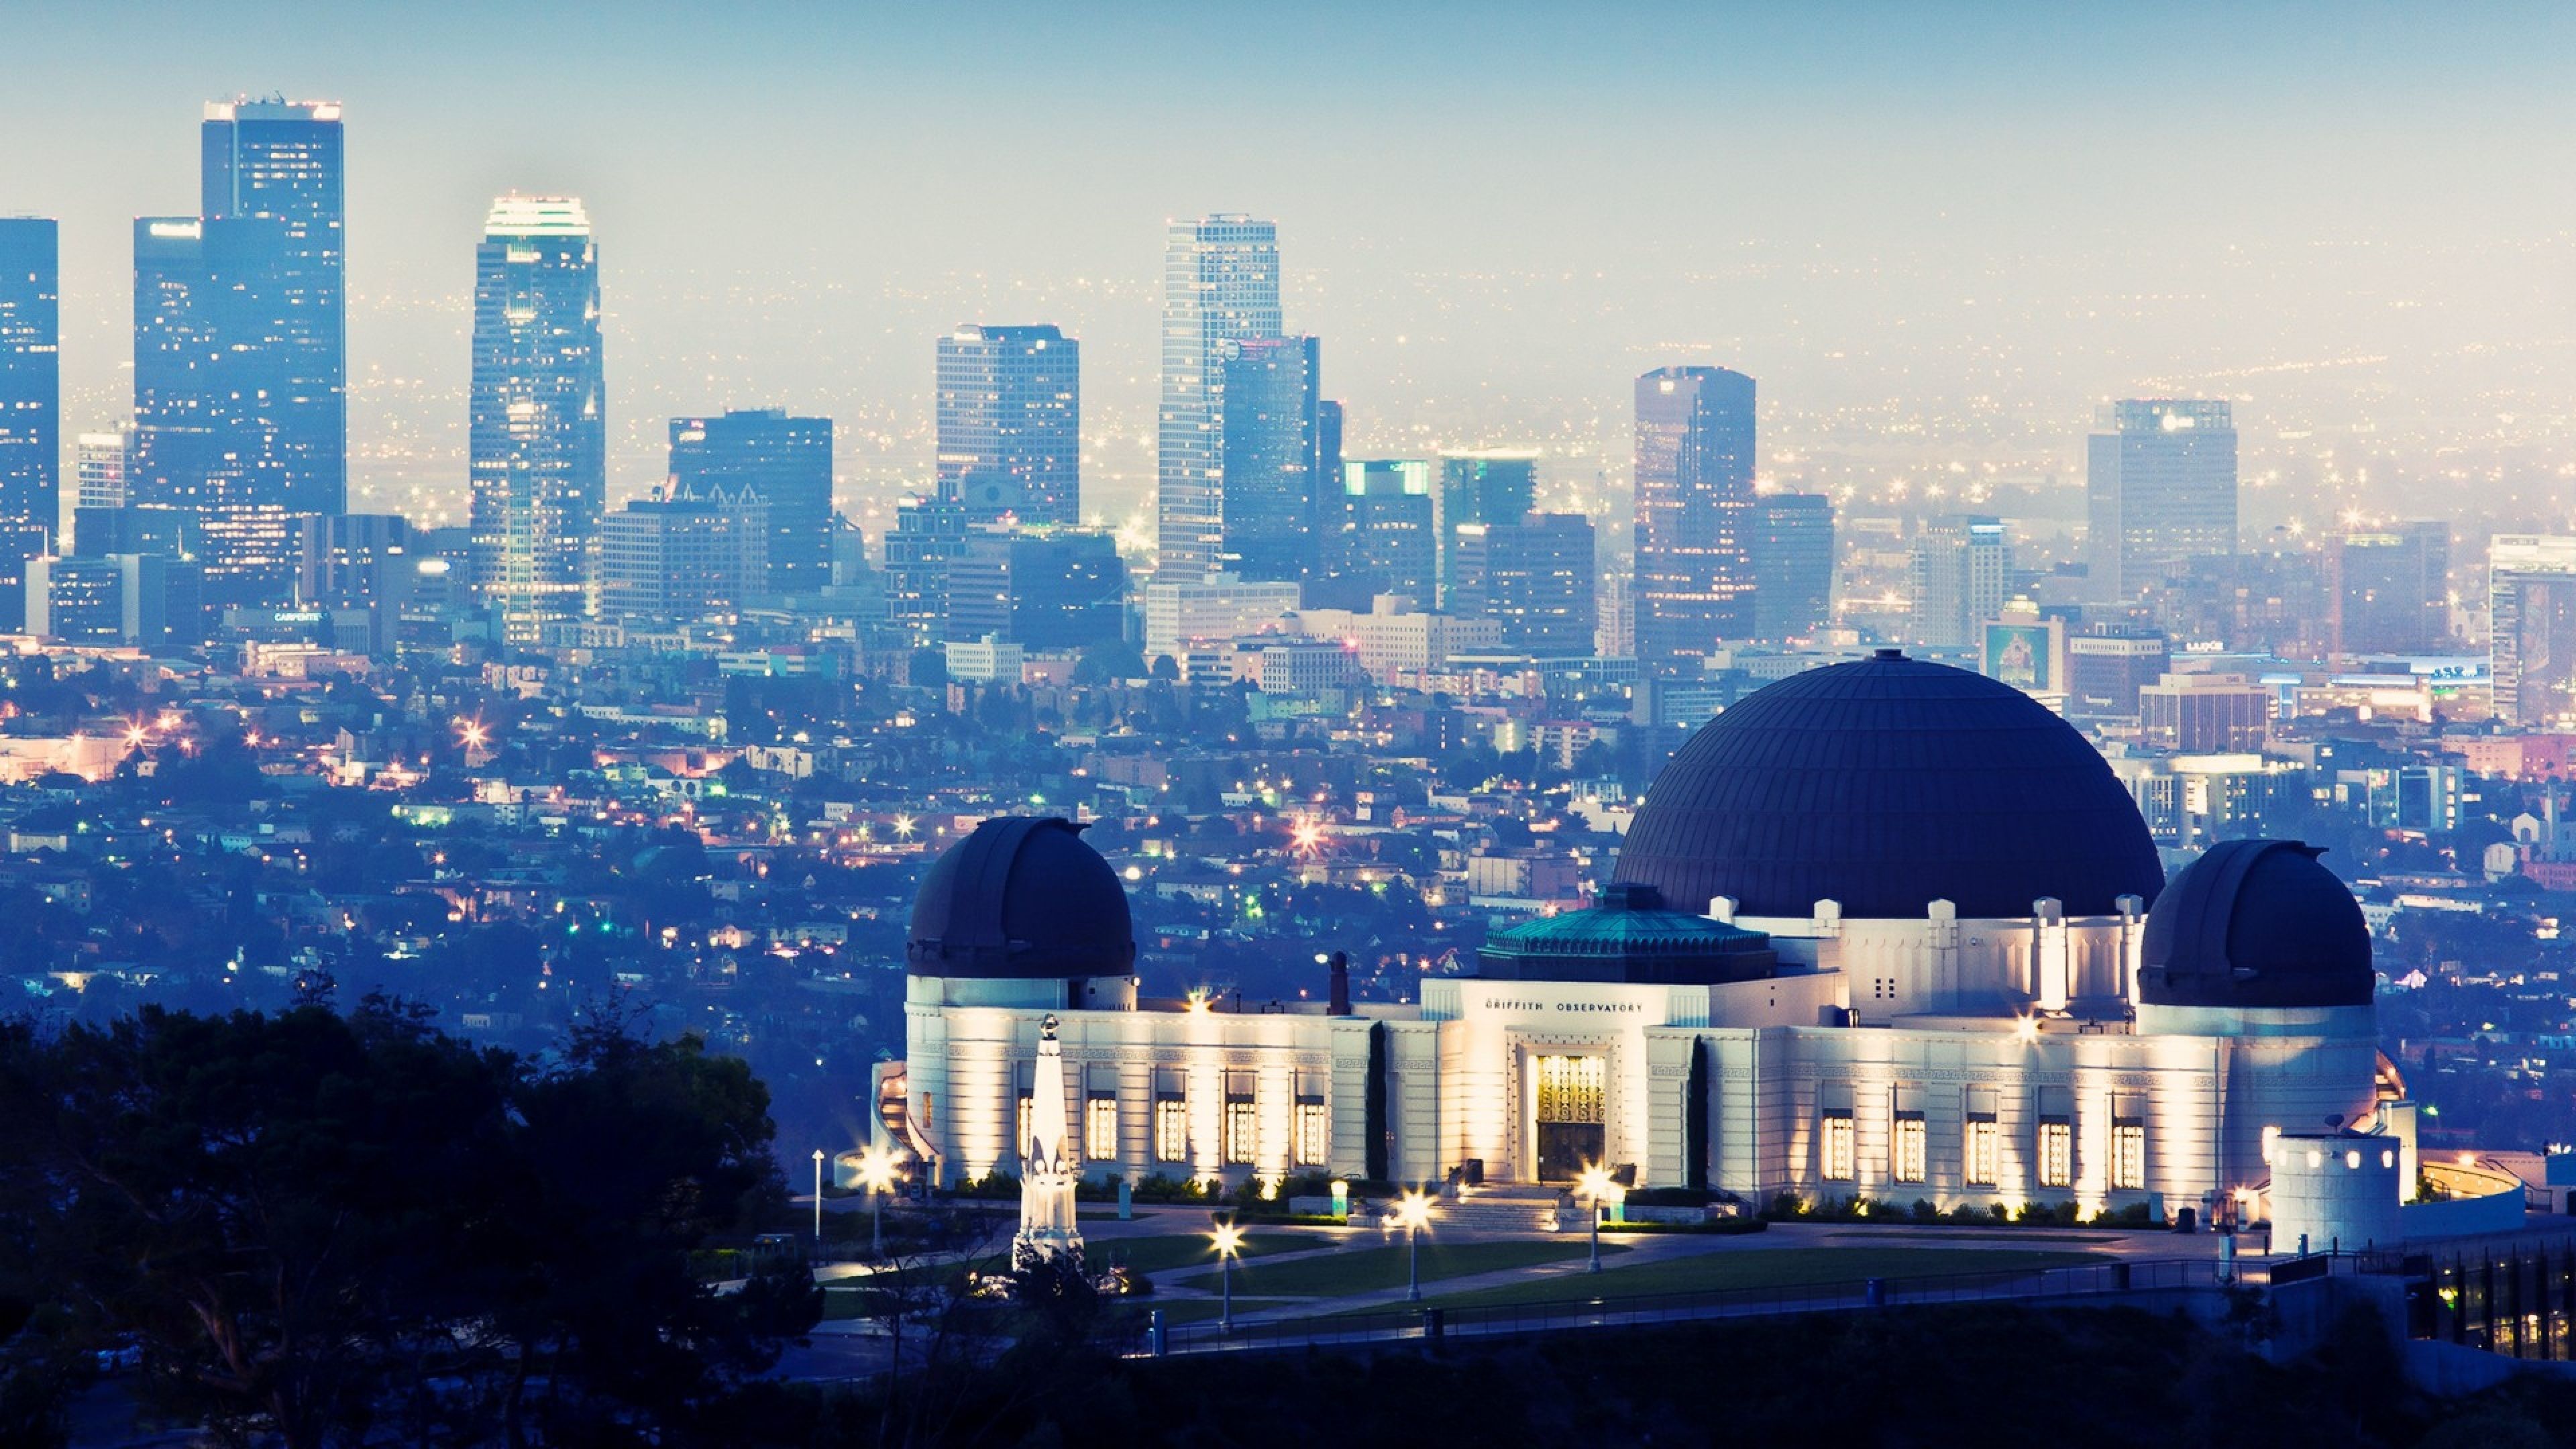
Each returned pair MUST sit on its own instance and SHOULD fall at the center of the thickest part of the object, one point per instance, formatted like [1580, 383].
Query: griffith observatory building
[1884, 929]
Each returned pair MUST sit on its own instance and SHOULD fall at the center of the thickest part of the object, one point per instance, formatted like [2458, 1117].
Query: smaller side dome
[1021, 898]
[2256, 923]
[1629, 936]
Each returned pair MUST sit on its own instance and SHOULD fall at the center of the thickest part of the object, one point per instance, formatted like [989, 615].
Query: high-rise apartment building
[1220, 286]
[2389, 590]
[1483, 486]
[1272, 456]
[352, 560]
[1536, 576]
[2531, 603]
[1385, 541]
[1054, 591]
[1959, 572]
[786, 463]
[1793, 565]
[1694, 474]
[1010, 423]
[281, 161]
[684, 557]
[927, 536]
[538, 411]
[31, 380]
[2160, 487]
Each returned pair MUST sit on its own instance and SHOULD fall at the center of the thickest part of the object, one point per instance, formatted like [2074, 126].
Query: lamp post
[876, 1173]
[1229, 1244]
[1413, 1210]
[818, 1194]
[1594, 1184]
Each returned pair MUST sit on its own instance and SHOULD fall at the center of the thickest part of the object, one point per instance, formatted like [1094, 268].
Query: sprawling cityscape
[894, 883]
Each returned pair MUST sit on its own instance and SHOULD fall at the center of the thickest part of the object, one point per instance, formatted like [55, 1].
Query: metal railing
[1433, 1323]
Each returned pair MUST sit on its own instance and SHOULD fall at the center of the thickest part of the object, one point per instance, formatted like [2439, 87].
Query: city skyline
[1901, 330]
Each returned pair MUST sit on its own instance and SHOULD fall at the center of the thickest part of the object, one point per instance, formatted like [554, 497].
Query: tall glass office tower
[1694, 577]
[1486, 486]
[2160, 487]
[281, 160]
[31, 381]
[1010, 423]
[785, 462]
[1272, 469]
[538, 425]
[207, 388]
[1220, 286]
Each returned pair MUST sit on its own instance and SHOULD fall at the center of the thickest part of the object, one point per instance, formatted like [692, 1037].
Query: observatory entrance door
[1571, 1111]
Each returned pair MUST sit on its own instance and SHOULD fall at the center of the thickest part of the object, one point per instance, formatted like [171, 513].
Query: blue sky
[1491, 212]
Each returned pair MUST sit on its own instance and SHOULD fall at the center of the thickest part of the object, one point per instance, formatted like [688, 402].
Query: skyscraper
[784, 461]
[537, 422]
[31, 403]
[1220, 285]
[31, 383]
[2531, 601]
[2160, 485]
[2389, 590]
[1010, 423]
[1486, 486]
[1384, 541]
[1793, 565]
[1694, 580]
[1272, 459]
[1960, 573]
[683, 557]
[209, 387]
[281, 160]
[1536, 575]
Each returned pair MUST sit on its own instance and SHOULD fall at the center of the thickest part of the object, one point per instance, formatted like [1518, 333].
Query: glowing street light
[818, 1194]
[1595, 1185]
[1413, 1214]
[876, 1174]
[1229, 1245]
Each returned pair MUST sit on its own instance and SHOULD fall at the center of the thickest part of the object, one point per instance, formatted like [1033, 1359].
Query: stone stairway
[1511, 1208]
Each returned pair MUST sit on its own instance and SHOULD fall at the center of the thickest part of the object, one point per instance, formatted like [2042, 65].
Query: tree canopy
[329, 1228]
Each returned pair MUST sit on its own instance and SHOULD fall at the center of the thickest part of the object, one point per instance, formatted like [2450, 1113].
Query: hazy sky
[1936, 233]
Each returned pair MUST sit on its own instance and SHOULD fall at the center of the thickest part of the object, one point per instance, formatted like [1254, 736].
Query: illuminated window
[2128, 1153]
[1313, 1133]
[1023, 1119]
[2271, 1139]
[1100, 1127]
[1906, 1161]
[2056, 1152]
[1242, 1120]
[1242, 1130]
[1171, 1129]
[1838, 1147]
[1985, 1151]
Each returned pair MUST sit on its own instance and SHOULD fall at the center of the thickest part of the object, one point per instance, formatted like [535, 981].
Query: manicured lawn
[1182, 1250]
[1766, 1268]
[1370, 1269]
[1177, 1311]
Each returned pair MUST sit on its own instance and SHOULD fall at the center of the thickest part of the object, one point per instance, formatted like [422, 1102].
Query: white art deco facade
[1938, 961]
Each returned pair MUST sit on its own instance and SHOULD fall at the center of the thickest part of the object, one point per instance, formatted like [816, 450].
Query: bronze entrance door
[1571, 1114]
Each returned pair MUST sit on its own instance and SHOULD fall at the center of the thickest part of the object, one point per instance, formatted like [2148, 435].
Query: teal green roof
[1628, 936]
[1606, 930]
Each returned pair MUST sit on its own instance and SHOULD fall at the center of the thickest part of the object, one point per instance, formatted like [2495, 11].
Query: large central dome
[1888, 784]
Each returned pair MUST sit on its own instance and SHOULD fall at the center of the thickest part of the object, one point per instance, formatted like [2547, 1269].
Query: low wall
[2460, 1217]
